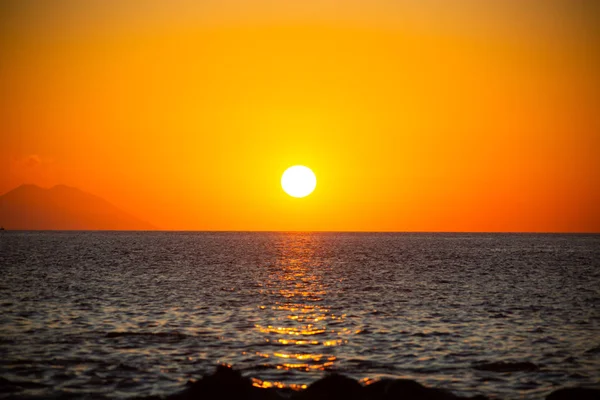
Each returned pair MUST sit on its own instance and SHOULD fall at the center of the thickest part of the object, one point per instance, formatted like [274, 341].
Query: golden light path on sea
[304, 329]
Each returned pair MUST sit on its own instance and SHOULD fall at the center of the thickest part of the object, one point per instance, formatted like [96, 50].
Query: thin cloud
[31, 161]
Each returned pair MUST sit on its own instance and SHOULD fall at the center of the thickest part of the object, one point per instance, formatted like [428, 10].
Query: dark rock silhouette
[507, 366]
[226, 383]
[406, 389]
[7, 386]
[30, 207]
[334, 387]
[574, 394]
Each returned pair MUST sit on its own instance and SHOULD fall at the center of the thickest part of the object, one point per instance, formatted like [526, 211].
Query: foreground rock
[226, 383]
[507, 366]
[407, 389]
[333, 386]
[574, 394]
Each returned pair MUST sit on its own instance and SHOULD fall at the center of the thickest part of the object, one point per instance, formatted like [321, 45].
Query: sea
[119, 315]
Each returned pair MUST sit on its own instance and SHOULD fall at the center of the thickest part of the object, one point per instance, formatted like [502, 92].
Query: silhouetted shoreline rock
[574, 394]
[507, 366]
[227, 383]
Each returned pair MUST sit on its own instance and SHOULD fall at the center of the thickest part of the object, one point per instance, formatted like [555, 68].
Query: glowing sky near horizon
[415, 115]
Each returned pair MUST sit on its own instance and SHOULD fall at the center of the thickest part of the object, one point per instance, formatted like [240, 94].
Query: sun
[298, 181]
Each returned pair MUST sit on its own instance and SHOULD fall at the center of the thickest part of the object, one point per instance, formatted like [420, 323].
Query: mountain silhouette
[62, 208]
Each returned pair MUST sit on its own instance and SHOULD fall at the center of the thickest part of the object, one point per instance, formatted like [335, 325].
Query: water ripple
[120, 314]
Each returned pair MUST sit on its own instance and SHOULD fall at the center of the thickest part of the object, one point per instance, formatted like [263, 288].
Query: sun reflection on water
[297, 320]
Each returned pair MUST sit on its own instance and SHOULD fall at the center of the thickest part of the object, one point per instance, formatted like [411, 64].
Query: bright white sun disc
[298, 181]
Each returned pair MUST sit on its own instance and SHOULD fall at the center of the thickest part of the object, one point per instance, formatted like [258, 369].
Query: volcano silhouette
[30, 207]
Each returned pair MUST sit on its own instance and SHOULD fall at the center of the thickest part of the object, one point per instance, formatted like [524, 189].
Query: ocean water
[125, 314]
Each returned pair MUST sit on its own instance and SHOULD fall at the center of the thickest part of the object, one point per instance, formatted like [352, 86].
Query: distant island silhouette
[30, 207]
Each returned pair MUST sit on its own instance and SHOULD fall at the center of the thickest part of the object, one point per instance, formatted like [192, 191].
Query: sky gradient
[414, 115]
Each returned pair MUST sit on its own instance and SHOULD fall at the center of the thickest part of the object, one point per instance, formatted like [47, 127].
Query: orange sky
[415, 115]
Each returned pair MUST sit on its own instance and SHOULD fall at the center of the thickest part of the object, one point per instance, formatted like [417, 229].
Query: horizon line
[306, 231]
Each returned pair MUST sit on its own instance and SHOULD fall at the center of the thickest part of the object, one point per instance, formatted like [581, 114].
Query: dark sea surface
[125, 314]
